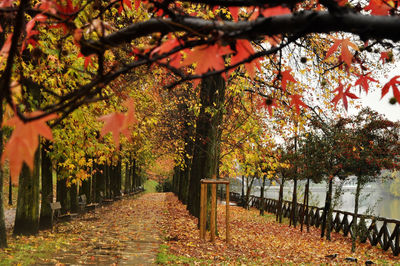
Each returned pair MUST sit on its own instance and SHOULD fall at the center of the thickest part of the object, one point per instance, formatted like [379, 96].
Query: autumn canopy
[79, 52]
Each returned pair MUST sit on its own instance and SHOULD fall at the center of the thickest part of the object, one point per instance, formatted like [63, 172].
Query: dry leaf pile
[260, 240]
[131, 232]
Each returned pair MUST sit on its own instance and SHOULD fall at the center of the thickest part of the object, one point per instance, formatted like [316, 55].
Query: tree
[46, 219]
[160, 31]
[311, 166]
[328, 134]
[371, 145]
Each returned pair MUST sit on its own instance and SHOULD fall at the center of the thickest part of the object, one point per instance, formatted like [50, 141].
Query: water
[375, 198]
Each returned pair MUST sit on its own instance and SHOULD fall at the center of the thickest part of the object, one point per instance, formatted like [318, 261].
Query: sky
[373, 99]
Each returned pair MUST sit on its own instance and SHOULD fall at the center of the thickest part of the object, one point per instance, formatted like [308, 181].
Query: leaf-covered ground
[125, 232]
[256, 240]
[156, 228]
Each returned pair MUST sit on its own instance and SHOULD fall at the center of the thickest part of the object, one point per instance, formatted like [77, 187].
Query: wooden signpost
[203, 207]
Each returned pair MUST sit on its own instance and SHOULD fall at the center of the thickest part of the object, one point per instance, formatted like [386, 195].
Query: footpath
[156, 227]
[123, 233]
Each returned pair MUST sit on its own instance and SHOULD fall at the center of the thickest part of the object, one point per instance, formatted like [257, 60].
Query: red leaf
[66, 11]
[244, 50]
[342, 2]
[342, 95]
[384, 57]
[392, 83]
[207, 57]
[130, 114]
[269, 104]
[77, 36]
[128, 3]
[379, 7]
[297, 102]
[118, 123]
[275, 11]
[24, 141]
[363, 81]
[174, 59]
[345, 54]
[113, 123]
[234, 12]
[7, 45]
[286, 77]
[165, 47]
[6, 3]
[137, 4]
[88, 60]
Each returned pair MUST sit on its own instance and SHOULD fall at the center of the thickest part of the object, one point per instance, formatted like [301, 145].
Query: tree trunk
[127, 186]
[175, 180]
[73, 194]
[85, 188]
[181, 183]
[133, 174]
[3, 234]
[262, 201]
[354, 222]
[242, 194]
[328, 200]
[10, 191]
[118, 178]
[329, 219]
[293, 215]
[186, 182]
[248, 191]
[205, 153]
[304, 210]
[62, 196]
[280, 201]
[108, 181]
[185, 178]
[178, 183]
[93, 186]
[100, 177]
[306, 206]
[27, 214]
[46, 218]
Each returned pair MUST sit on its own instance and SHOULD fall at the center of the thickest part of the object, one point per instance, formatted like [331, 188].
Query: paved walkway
[123, 233]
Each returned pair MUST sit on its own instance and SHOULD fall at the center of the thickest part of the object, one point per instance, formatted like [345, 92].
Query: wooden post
[227, 213]
[203, 192]
[203, 207]
[213, 211]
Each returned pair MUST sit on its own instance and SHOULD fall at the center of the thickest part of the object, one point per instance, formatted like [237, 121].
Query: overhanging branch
[366, 26]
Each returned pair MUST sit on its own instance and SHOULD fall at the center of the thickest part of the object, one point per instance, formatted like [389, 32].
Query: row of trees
[106, 181]
[280, 56]
[361, 145]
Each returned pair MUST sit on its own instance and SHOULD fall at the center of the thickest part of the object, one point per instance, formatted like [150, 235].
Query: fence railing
[376, 230]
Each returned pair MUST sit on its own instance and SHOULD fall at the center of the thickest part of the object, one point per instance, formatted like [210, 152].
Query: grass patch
[164, 257]
[30, 250]
[270, 217]
[150, 186]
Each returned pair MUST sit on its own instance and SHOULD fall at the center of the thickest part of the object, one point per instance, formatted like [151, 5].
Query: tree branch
[5, 92]
[366, 26]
